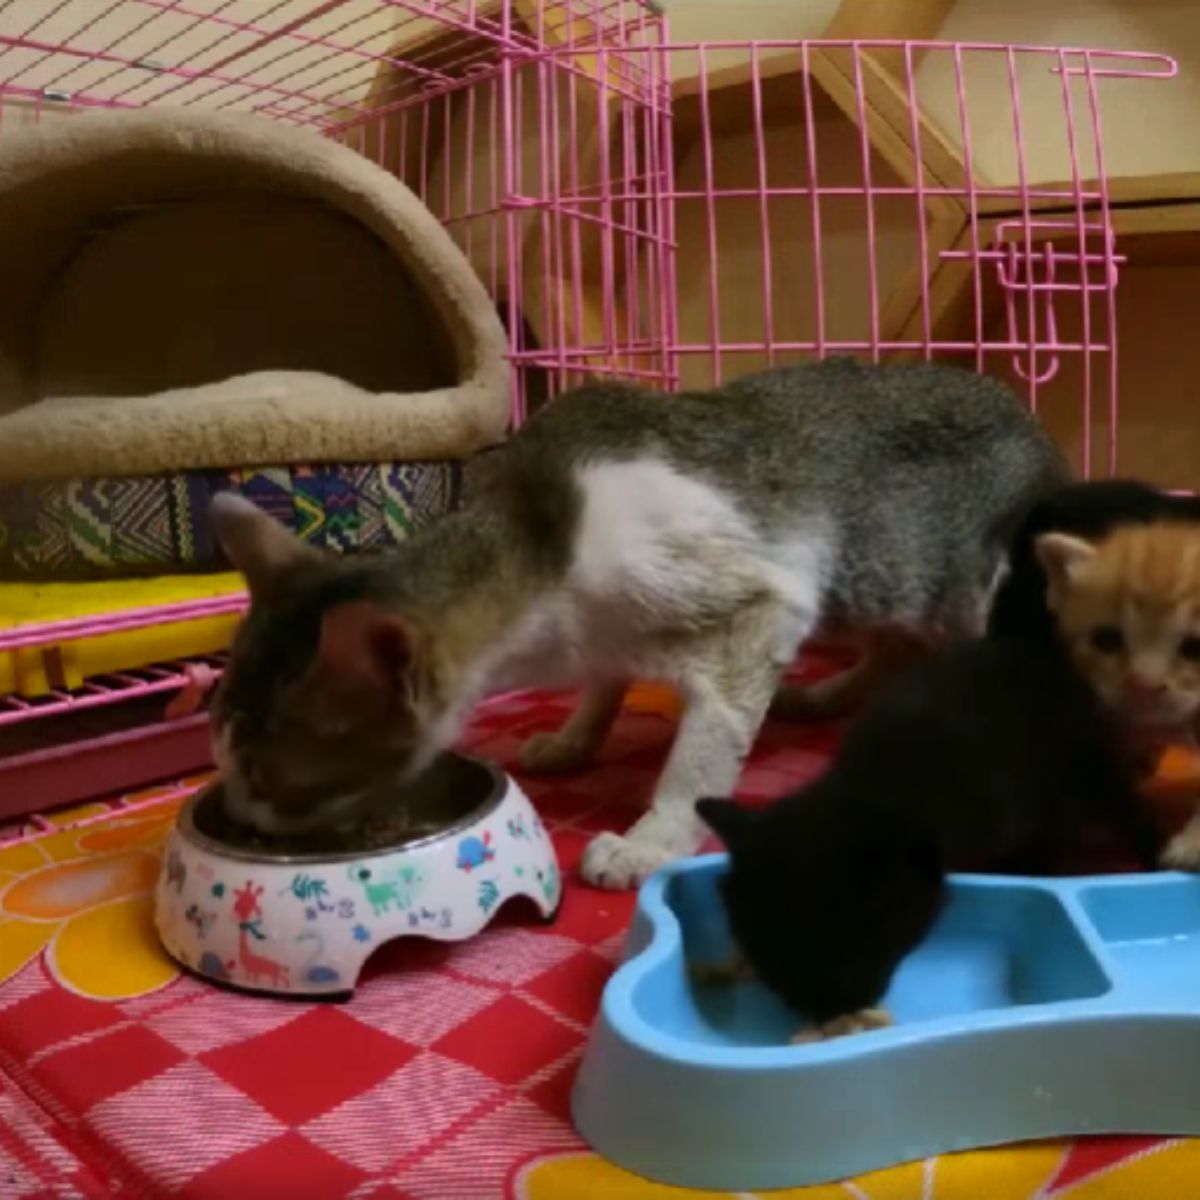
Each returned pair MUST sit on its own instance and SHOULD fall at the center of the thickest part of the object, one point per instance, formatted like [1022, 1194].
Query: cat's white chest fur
[658, 556]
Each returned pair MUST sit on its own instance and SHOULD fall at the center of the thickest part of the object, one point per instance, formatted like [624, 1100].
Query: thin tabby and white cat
[697, 539]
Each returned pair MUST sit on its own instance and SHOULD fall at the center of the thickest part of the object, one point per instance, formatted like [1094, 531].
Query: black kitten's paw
[733, 970]
[862, 1021]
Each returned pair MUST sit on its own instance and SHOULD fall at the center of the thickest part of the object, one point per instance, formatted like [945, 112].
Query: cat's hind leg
[829, 698]
[883, 654]
[576, 743]
[726, 678]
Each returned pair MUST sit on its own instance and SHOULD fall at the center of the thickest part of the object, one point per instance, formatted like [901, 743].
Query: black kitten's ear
[256, 544]
[364, 643]
[729, 820]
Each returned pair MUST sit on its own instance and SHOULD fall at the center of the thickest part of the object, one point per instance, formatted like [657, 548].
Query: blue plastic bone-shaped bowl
[1034, 1008]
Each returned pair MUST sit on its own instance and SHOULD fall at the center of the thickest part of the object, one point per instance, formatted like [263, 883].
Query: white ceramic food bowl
[304, 924]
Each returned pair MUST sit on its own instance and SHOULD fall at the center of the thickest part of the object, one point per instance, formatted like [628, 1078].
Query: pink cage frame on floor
[666, 212]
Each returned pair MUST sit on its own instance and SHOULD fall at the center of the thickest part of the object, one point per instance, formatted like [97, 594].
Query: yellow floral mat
[82, 898]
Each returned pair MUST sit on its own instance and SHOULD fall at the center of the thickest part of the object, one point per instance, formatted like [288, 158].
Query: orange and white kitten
[1128, 609]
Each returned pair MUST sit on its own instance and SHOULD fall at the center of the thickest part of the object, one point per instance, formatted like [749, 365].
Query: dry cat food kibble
[446, 794]
[375, 833]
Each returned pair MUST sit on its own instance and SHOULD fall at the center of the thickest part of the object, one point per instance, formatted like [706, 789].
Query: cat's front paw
[553, 754]
[1182, 852]
[618, 863]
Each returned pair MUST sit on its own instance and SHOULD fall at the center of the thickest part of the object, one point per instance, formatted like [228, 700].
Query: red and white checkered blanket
[446, 1076]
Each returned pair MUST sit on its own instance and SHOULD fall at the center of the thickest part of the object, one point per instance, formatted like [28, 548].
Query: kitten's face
[823, 920]
[1128, 609]
[315, 722]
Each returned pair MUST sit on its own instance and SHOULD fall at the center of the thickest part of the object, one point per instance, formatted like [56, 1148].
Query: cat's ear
[1062, 556]
[256, 544]
[363, 643]
[730, 821]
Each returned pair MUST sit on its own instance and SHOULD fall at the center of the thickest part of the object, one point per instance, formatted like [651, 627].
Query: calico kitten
[1085, 510]
[1112, 570]
[988, 755]
[696, 539]
[1128, 608]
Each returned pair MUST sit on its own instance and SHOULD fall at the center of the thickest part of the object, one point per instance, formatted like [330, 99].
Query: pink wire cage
[670, 213]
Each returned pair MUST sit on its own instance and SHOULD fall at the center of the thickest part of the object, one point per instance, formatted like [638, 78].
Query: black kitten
[1086, 510]
[990, 755]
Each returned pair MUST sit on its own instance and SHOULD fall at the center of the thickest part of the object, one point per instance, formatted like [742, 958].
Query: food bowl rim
[186, 828]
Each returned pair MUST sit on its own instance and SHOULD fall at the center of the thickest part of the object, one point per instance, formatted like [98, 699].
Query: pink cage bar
[670, 213]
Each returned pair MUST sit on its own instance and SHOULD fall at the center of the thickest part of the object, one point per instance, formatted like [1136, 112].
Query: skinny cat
[987, 755]
[695, 539]
[1118, 582]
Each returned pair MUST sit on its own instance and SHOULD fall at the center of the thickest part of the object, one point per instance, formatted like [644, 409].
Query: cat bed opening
[187, 291]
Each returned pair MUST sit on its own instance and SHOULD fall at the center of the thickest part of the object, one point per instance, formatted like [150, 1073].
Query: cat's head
[1128, 609]
[323, 709]
[824, 910]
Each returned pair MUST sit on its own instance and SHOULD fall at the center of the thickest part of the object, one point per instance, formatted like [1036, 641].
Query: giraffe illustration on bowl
[254, 966]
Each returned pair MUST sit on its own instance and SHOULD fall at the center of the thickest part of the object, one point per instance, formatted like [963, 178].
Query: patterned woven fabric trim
[103, 528]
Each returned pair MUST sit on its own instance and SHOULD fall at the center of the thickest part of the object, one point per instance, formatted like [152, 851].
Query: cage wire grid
[672, 213]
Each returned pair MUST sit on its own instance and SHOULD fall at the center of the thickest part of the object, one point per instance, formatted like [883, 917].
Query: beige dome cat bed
[185, 291]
